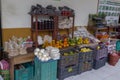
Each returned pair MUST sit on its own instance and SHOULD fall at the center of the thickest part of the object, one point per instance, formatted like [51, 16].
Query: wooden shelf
[82, 45]
[102, 28]
[42, 30]
[91, 44]
[54, 31]
[66, 15]
[65, 28]
[43, 15]
[18, 60]
[52, 15]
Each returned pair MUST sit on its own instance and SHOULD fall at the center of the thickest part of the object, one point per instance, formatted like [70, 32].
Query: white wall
[14, 12]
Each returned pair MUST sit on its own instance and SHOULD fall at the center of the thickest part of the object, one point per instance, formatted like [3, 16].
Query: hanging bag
[4, 70]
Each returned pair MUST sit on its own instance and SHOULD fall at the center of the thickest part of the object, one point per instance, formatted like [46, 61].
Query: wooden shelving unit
[94, 26]
[36, 27]
[112, 31]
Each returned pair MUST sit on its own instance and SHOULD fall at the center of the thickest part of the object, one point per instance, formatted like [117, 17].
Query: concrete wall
[14, 12]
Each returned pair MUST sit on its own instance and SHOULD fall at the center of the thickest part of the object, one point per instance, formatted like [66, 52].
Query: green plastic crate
[5, 74]
[118, 45]
[30, 68]
[45, 70]
[24, 73]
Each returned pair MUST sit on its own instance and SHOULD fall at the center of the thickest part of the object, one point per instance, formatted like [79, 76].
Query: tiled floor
[105, 73]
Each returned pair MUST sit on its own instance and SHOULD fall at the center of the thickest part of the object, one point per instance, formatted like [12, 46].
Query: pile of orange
[58, 44]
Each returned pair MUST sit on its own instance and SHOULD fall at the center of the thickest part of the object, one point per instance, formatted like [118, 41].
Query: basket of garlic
[47, 54]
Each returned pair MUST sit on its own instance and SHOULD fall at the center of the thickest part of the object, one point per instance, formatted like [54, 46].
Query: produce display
[58, 44]
[68, 56]
[82, 32]
[80, 40]
[42, 54]
[86, 40]
[66, 42]
[100, 45]
[47, 54]
[68, 53]
[53, 49]
[102, 35]
[85, 49]
[72, 42]
[101, 52]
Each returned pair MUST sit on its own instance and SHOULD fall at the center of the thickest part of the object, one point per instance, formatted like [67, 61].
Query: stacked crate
[85, 60]
[118, 46]
[45, 70]
[25, 72]
[100, 56]
[68, 64]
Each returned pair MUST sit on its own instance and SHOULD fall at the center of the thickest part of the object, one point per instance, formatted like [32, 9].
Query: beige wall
[22, 32]
[15, 12]
[16, 21]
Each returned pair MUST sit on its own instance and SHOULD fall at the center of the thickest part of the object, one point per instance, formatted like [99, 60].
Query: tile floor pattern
[105, 73]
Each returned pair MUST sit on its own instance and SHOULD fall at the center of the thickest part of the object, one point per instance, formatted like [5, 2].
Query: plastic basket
[67, 71]
[85, 56]
[113, 59]
[5, 74]
[85, 66]
[25, 73]
[30, 68]
[69, 59]
[101, 53]
[99, 63]
[118, 45]
[45, 70]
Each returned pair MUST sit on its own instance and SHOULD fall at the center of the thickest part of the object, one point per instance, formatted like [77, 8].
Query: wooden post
[1, 49]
